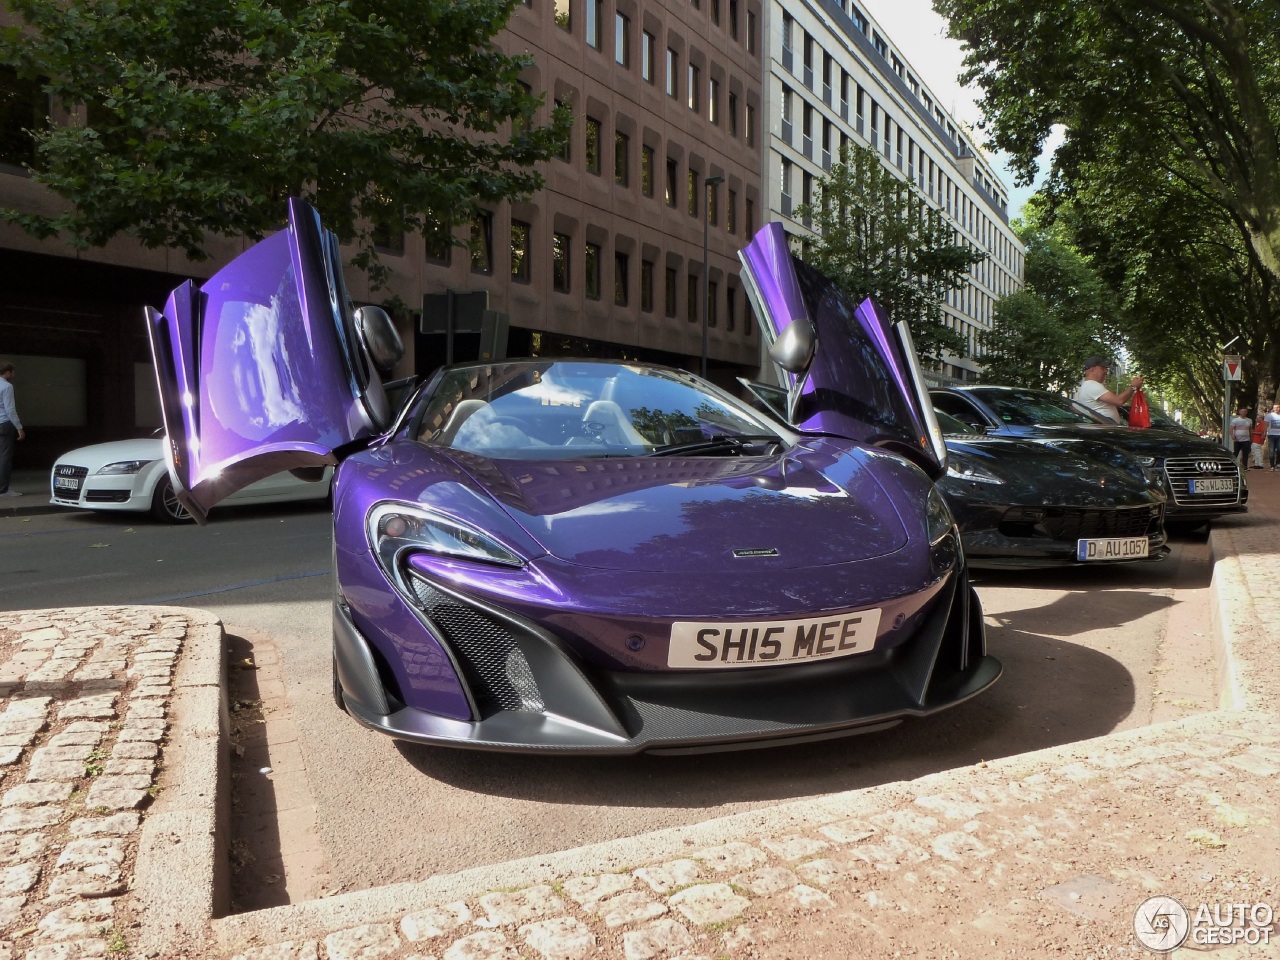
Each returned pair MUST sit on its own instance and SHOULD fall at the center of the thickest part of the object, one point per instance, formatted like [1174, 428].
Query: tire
[165, 506]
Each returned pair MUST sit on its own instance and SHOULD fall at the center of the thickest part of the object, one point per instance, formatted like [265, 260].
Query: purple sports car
[559, 555]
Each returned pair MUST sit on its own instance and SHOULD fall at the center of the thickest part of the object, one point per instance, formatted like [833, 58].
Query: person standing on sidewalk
[1273, 434]
[10, 429]
[1258, 443]
[1241, 429]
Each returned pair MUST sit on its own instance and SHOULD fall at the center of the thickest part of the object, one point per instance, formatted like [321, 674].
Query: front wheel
[165, 506]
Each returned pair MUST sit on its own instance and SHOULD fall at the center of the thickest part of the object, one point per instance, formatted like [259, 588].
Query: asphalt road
[1085, 652]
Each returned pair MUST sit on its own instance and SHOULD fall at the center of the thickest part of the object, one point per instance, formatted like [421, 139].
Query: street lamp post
[707, 184]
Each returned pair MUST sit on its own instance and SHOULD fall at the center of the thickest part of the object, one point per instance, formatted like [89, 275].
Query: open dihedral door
[262, 367]
[863, 378]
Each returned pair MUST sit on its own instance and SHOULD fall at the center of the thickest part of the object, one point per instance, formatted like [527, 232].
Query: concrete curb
[182, 867]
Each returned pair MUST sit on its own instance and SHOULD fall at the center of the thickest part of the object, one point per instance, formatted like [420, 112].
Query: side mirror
[793, 350]
[378, 338]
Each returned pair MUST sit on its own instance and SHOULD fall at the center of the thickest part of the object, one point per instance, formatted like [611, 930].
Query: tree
[1190, 86]
[1039, 335]
[879, 237]
[192, 118]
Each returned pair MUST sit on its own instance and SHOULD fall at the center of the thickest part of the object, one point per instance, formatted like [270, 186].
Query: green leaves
[193, 119]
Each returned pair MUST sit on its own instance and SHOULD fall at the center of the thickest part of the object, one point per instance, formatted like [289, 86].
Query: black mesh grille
[1076, 523]
[496, 668]
[1204, 472]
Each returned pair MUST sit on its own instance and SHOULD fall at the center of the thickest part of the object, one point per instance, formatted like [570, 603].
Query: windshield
[559, 409]
[951, 426]
[1030, 408]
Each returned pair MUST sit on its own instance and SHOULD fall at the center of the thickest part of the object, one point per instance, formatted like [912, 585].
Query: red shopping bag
[1139, 412]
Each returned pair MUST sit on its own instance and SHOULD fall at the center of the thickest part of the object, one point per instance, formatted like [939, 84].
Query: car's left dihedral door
[258, 368]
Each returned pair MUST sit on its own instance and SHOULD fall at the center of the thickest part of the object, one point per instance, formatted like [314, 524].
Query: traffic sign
[1231, 368]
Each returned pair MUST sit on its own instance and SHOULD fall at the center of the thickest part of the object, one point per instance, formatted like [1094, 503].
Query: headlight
[122, 468]
[395, 525]
[967, 470]
[937, 516]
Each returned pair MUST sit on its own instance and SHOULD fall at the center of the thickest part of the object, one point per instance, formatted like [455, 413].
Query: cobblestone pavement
[1051, 853]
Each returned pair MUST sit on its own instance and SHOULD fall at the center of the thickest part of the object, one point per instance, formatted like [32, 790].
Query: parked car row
[589, 556]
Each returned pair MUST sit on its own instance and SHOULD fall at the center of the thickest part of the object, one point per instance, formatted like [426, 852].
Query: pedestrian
[1273, 434]
[11, 429]
[1241, 431]
[1094, 394]
[1258, 443]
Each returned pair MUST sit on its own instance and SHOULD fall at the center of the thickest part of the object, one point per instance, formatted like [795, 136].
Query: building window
[520, 252]
[713, 203]
[749, 125]
[669, 293]
[751, 31]
[731, 213]
[712, 295]
[692, 192]
[593, 23]
[713, 101]
[730, 308]
[733, 115]
[592, 158]
[482, 243]
[694, 83]
[749, 217]
[593, 271]
[646, 171]
[620, 279]
[673, 80]
[439, 242]
[561, 15]
[566, 149]
[388, 238]
[692, 287]
[23, 107]
[715, 12]
[621, 40]
[646, 56]
[621, 159]
[560, 247]
[672, 174]
[733, 19]
[646, 286]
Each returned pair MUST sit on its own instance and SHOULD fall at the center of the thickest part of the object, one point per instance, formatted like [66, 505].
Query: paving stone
[849, 831]
[808, 897]
[70, 751]
[630, 907]
[74, 950]
[666, 877]
[117, 799]
[135, 751]
[731, 856]
[16, 847]
[824, 871]
[794, 847]
[560, 938]
[24, 819]
[119, 825]
[434, 922]
[129, 768]
[19, 878]
[520, 907]
[78, 920]
[44, 638]
[35, 794]
[952, 806]
[11, 910]
[766, 881]
[662, 938]
[148, 731]
[98, 707]
[10, 755]
[588, 891]
[146, 710]
[709, 903]
[367, 942]
[960, 846]
[485, 945]
[905, 821]
[47, 769]
[289, 950]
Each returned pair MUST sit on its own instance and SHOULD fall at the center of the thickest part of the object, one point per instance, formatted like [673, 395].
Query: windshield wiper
[717, 443]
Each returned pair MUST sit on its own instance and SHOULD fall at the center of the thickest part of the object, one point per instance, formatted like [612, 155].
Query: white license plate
[66, 483]
[1214, 485]
[1112, 548]
[697, 644]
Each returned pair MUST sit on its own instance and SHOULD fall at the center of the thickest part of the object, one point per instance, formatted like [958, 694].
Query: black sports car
[1200, 479]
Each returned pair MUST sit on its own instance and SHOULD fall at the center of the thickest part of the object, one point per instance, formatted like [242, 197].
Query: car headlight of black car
[121, 468]
[395, 526]
[960, 469]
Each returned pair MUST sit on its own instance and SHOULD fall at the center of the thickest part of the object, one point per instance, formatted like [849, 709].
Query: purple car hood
[864, 380]
[677, 514]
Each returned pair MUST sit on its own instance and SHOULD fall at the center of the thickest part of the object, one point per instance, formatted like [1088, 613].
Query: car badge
[757, 552]
[1208, 466]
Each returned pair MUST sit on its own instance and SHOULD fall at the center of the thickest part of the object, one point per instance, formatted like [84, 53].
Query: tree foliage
[879, 237]
[1192, 88]
[191, 118]
[1040, 335]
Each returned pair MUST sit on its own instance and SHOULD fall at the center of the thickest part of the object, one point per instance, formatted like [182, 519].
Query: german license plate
[700, 644]
[68, 484]
[1112, 548]
[1213, 485]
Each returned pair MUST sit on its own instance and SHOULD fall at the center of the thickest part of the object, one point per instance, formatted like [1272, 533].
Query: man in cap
[1094, 394]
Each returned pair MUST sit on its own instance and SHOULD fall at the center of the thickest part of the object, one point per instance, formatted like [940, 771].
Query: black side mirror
[378, 338]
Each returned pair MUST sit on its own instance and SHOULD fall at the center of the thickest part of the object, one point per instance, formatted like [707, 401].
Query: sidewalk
[34, 487]
[114, 732]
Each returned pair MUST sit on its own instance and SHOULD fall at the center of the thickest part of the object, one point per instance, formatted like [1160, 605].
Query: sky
[920, 35]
